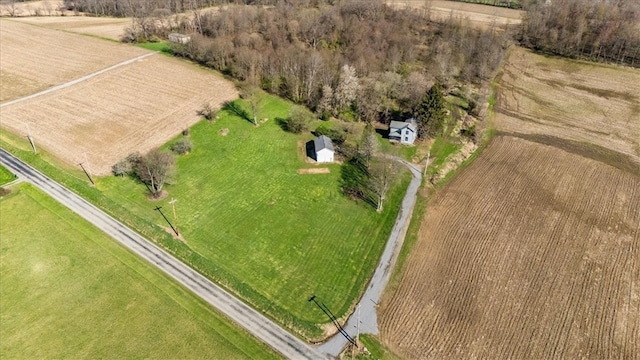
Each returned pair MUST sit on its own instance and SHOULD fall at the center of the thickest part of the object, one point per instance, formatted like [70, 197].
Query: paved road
[254, 322]
[369, 301]
[78, 80]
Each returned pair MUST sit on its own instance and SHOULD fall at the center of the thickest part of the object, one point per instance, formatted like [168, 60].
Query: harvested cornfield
[530, 252]
[533, 250]
[34, 58]
[131, 108]
[479, 15]
[581, 102]
[104, 27]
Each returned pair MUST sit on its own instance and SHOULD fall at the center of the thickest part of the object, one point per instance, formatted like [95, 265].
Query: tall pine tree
[431, 112]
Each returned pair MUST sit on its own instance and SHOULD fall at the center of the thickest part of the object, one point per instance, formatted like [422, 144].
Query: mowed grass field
[69, 291]
[134, 107]
[256, 226]
[532, 251]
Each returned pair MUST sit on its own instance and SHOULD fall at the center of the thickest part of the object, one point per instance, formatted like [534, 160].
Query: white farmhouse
[323, 149]
[404, 132]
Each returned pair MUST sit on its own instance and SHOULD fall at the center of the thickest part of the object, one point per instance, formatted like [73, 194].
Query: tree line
[356, 59]
[606, 31]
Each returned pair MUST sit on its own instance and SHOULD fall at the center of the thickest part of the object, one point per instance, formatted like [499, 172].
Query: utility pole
[426, 164]
[86, 173]
[158, 208]
[33, 144]
[175, 217]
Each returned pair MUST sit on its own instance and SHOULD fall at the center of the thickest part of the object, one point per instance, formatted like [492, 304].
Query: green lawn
[251, 223]
[6, 176]
[254, 225]
[69, 291]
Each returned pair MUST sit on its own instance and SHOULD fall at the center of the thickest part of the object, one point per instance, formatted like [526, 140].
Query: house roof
[398, 125]
[322, 142]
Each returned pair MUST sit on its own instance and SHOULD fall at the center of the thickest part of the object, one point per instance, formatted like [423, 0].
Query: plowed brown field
[33, 58]
[533, 250]
[578, 101]
[134, 107]
[475, 14]
[106, 27]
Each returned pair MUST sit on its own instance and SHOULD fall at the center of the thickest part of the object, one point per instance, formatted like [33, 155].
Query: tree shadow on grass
[234, 107]
[384, 133]
[282, 122]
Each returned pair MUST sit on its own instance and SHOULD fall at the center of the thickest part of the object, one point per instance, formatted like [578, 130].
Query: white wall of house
[324, 156]
[408, 136]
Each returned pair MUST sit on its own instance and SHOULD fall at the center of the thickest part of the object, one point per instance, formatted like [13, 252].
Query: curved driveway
[366, 313]
[254, 322]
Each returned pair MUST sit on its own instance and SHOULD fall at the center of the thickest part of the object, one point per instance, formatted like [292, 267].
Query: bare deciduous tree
[382, 173]
[155, 169]
[252, 95]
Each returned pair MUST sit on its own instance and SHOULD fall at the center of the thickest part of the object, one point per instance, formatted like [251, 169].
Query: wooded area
[355, 60]
[607, 31]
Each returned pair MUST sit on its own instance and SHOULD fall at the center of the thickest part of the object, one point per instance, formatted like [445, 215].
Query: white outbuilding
[323, 149]
[179, 38]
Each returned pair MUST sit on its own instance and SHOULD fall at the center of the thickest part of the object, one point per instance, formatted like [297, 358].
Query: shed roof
[322, 142]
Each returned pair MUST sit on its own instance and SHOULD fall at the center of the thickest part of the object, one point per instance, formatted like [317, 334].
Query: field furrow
[33, 58]
[528, 253]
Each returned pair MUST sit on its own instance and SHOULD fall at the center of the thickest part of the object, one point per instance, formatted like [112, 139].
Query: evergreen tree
[431, 112]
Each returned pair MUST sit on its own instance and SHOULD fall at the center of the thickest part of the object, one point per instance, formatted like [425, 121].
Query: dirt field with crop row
[134, 107]
[34, 58]
[105, 27]
[477, 14]
[531, 252]
[33, 8]
[581, 102]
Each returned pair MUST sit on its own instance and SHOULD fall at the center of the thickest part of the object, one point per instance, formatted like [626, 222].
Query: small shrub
[121, 168]
[182, 146]
[298, 120]
[338, 136]
[207, 112]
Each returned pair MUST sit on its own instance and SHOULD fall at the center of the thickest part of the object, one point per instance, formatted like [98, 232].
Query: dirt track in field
[531, 252]
[134, 107]
[33, 58]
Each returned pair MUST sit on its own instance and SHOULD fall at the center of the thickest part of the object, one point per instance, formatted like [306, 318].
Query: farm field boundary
[566, 227]
[99, 118]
